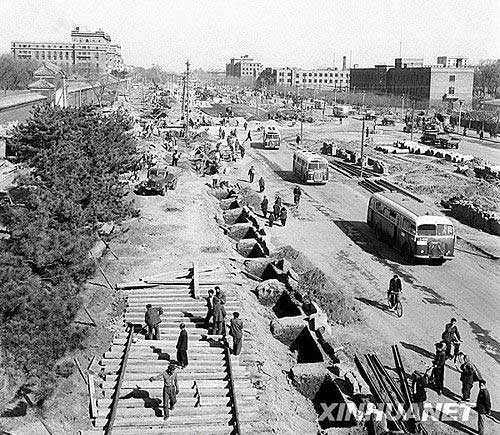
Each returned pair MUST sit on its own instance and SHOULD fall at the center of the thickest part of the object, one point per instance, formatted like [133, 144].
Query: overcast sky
[276, 32]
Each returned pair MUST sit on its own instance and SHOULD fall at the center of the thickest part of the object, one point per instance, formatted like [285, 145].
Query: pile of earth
[314, 285]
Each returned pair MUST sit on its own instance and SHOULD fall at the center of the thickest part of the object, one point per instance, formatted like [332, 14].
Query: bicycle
[398, 308]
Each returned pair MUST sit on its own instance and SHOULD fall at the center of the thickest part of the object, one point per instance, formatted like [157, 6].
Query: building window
[451, 90]
[452, 78]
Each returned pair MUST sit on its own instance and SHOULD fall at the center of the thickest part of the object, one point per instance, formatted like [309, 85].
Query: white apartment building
[319, 78]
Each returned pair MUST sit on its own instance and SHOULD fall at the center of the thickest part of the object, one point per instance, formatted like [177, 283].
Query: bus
[271, 137]
[411, 228]
[310, 167]
[341, 111]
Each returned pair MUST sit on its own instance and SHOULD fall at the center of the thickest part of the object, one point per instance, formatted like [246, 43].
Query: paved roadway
[330, 228]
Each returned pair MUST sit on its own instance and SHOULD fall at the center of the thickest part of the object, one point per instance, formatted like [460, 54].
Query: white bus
[411, 228]
[310, 167]
[271, 137]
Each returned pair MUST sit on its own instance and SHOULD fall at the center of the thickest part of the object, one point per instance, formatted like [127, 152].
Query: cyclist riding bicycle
[394, 292]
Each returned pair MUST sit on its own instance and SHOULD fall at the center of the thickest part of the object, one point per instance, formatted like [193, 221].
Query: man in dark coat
[262, 184]
[251, 174]
[219, 317]
[394, 291]
[170, 388]
[297, 193]
[467, 379]
[483, 406]
[264, 205]
[283, 216]
[210, 308]
[182, 346]
[236, 331]
[419, 385]
[153, 320]
[276, 210]
[271, 219]
[438, 367]
[451, 336]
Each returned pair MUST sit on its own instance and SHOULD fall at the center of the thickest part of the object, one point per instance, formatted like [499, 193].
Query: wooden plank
[196, 280]
[80, 370]
[94, 413]
[90, 317]
[127, 285]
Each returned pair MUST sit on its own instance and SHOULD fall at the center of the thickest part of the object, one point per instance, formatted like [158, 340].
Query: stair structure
[216, 394]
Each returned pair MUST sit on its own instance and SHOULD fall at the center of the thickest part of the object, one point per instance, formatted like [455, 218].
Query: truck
[439, 139]
[158, 181]
[271, 137]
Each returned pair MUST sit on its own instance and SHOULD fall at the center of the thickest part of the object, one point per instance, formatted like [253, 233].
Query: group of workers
[215, 302]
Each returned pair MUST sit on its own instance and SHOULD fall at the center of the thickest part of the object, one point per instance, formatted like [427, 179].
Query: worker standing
[262, 185]
[182, 346]
[219, 294]
[219, 317]
[264, 206]
[276, 210]
[170, 389]
[483, 406]
[210, 308]
[467, 378]
[297, 193]
[251, 174]
[283, 216]
[153, 320]
[271, 219]
[236, 331]
[438, 367]
[249, 136]
[394, 292]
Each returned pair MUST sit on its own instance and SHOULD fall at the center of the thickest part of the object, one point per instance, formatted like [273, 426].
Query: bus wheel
[378, 232]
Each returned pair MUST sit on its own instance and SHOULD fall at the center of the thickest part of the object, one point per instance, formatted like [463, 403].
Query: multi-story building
[321, 78]
[244, 68]
[430, 85]
[88, 53]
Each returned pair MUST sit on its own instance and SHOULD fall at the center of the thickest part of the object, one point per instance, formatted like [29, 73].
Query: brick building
[450, 81]
[88, 53]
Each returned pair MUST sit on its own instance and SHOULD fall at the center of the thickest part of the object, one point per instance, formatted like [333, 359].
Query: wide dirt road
[330, 228]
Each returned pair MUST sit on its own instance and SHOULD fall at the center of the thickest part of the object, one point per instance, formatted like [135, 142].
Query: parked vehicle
[158, 182]
[388, 120]
[341, 111]
[411, 228]
[439, 139]
[310, 167]
[271, 137]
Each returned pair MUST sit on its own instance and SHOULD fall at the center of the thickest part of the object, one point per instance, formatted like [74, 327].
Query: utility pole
[187, 103]
[256, 104]
[402, 105]
[301, 123]
[362, 145]
[459, 115]
[412, 122]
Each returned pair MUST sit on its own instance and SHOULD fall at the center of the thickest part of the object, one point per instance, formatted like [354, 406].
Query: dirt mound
[300, 263]
[316, 286]
[249, 197]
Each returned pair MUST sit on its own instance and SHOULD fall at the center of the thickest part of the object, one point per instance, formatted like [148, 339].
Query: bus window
[408, 226]
[313, 166]
[427, 230]
[444, 230]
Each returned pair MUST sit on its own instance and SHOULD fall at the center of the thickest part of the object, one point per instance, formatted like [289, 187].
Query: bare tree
[487, 80]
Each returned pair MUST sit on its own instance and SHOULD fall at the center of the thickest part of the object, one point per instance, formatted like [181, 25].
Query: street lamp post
[362, 145]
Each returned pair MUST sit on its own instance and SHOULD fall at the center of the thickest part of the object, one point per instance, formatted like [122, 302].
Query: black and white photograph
[249, 217]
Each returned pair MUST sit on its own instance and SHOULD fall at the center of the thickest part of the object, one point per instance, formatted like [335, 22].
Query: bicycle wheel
[399, 309]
